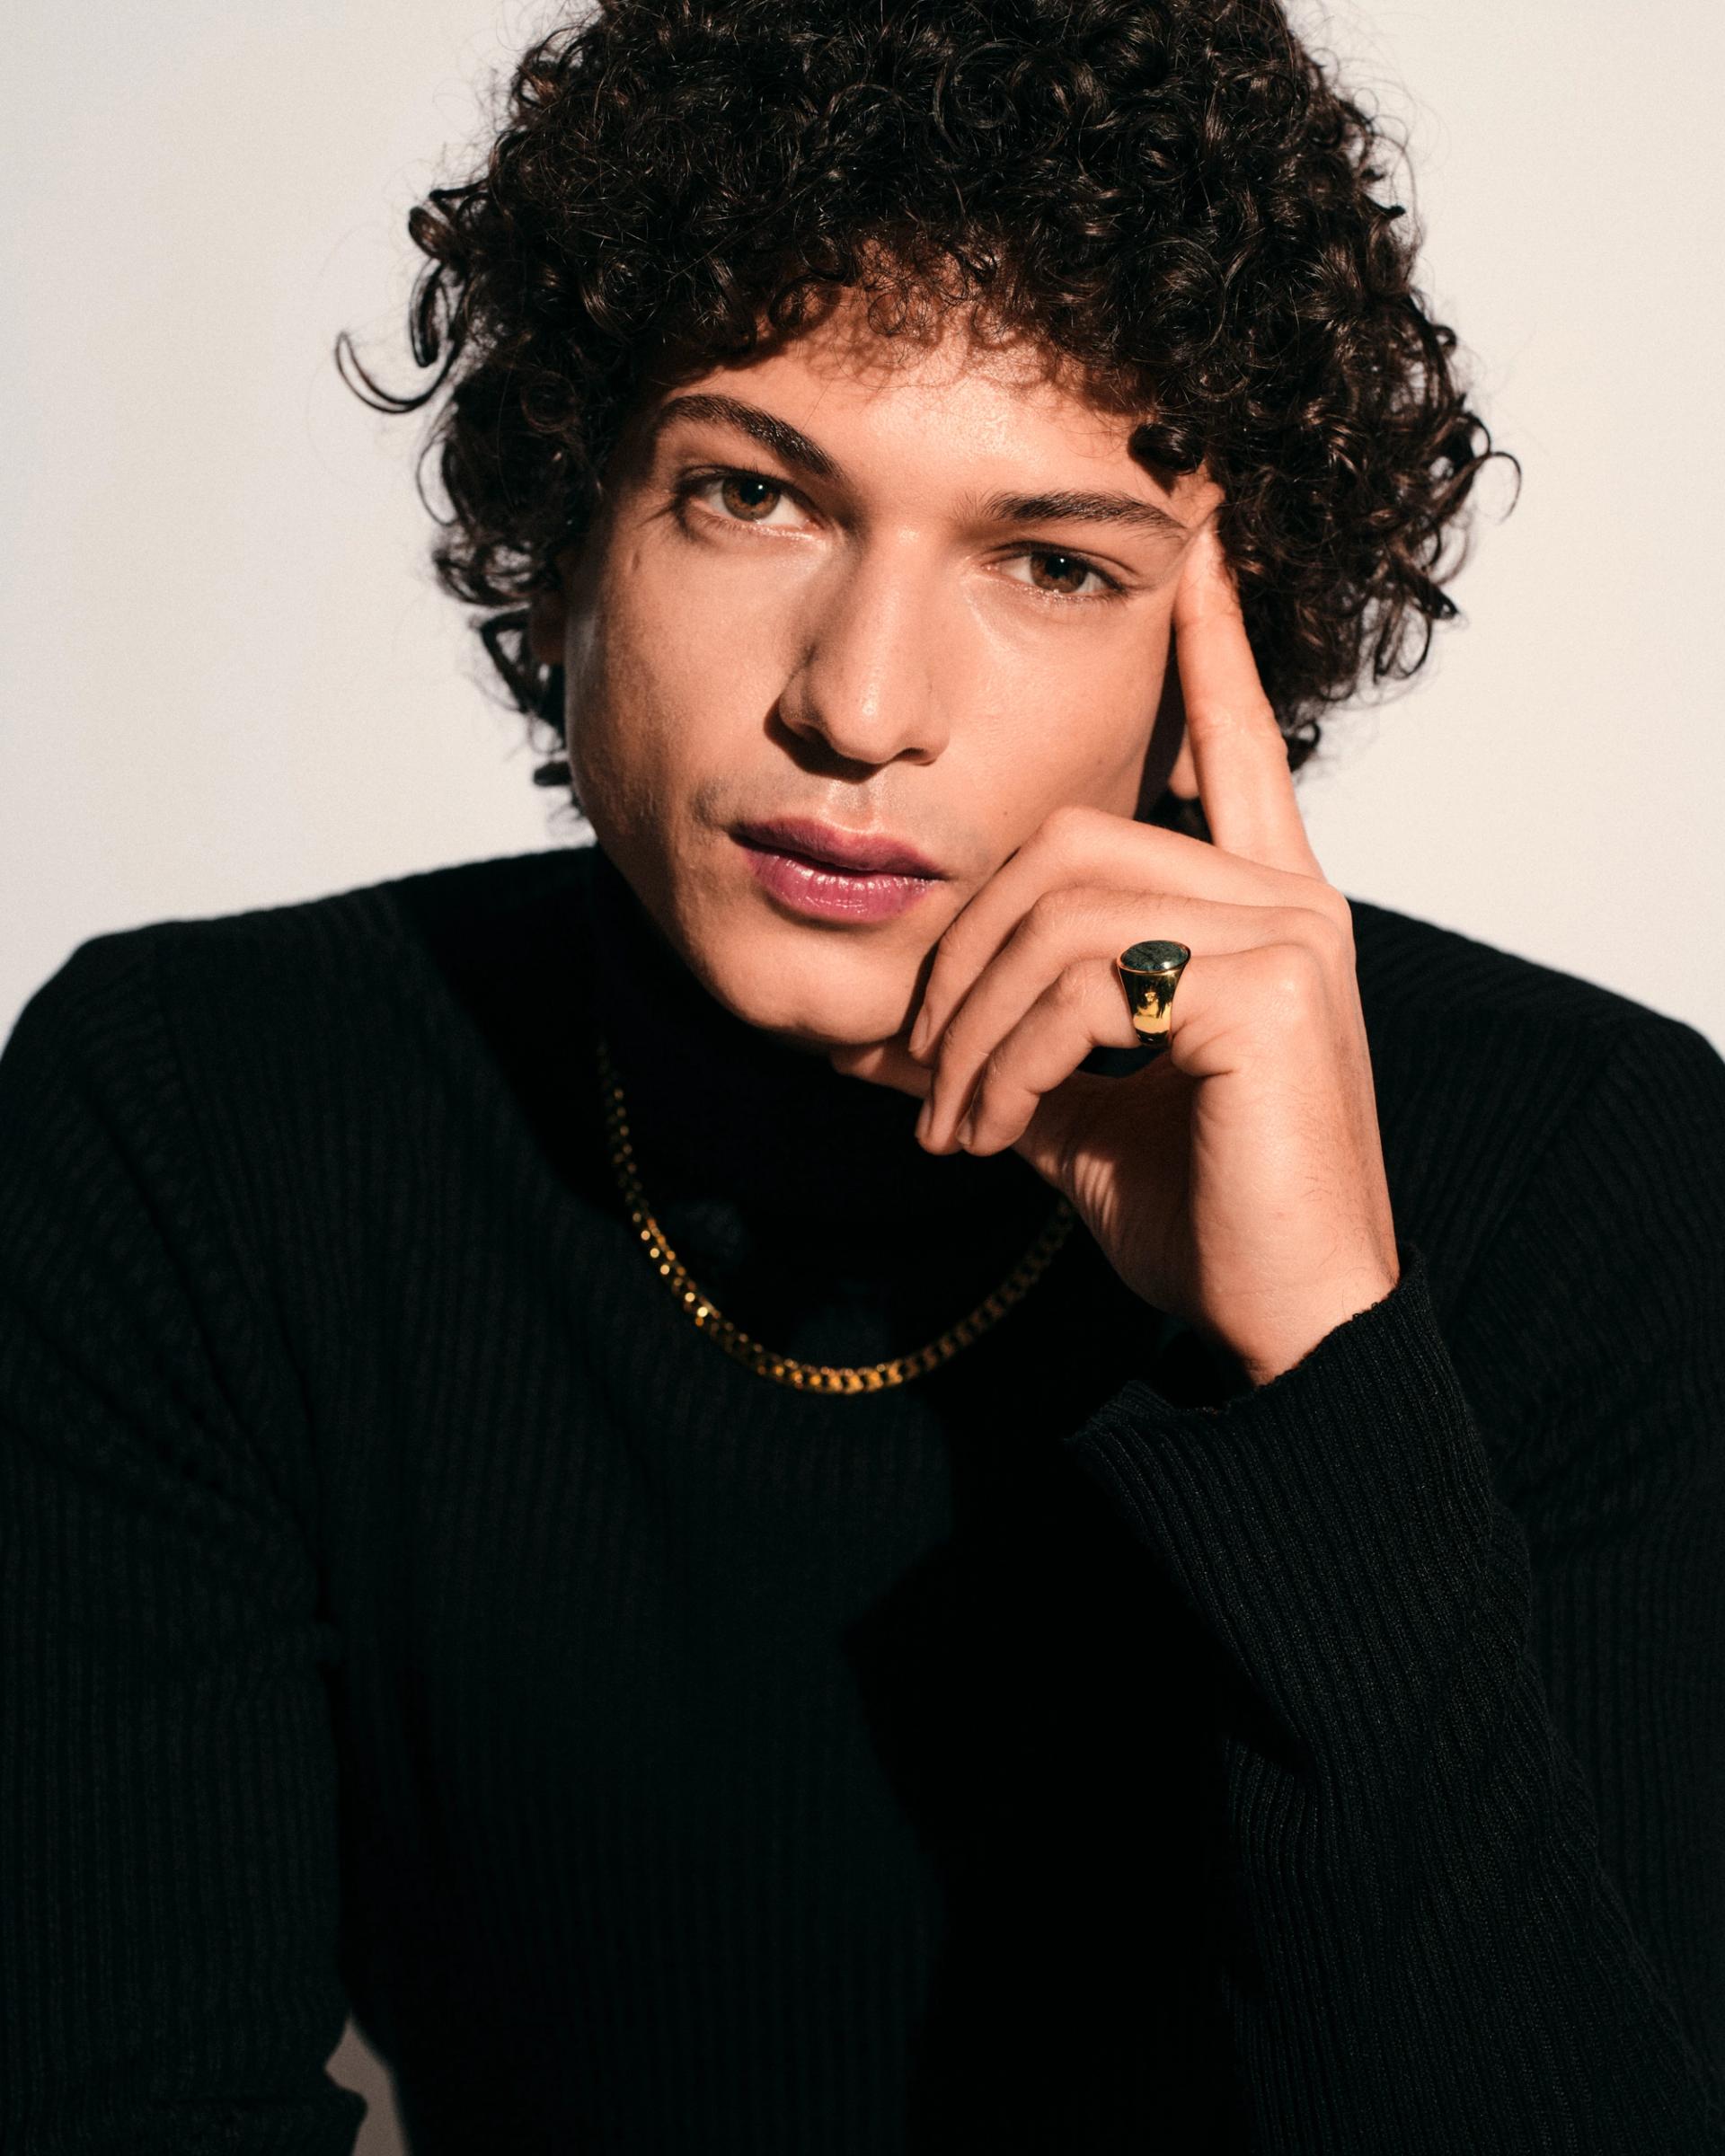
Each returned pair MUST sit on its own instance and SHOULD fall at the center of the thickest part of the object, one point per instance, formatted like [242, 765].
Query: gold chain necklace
[784, 1369]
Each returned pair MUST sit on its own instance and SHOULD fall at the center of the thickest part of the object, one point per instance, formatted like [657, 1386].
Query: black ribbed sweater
[406, 1607]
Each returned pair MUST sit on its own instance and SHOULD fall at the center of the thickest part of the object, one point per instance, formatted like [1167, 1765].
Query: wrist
[1264, 1357]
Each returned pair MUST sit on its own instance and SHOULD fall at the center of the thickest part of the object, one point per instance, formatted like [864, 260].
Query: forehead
[946, 394]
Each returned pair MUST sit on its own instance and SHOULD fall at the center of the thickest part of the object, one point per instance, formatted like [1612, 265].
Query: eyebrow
[1076, 508]
[1064, 505]
[775, 434]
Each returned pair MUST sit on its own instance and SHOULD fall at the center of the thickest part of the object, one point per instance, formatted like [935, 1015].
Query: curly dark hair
[1175, 194]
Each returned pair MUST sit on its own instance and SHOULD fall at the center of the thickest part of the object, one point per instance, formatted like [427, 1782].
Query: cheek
[1078, 717]
[657, 690]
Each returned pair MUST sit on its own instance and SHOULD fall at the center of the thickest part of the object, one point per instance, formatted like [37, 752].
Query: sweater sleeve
[168, 1973]
[1473, 1724]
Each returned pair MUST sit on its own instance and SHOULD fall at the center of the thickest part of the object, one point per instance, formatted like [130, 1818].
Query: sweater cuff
[1331, 1530]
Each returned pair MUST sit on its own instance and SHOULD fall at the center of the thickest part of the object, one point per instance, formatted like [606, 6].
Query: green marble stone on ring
[1155, 957]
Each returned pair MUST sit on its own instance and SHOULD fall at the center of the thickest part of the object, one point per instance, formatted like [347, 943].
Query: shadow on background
[357, 2067]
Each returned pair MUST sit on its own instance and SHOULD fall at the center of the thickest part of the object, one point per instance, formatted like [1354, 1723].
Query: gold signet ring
[1149, 973]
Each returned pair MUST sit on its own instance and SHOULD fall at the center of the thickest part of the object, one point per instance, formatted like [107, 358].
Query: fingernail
[918, 1033]
[966, 1130]
[922, 1121]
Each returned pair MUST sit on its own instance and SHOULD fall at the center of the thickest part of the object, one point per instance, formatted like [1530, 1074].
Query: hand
[1238, 1180]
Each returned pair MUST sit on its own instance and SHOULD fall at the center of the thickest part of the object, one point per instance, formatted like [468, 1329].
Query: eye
[749, 497]
[744, 497]
[1065, 574]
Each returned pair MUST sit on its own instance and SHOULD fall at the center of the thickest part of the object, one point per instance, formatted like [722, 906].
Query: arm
[167, 1856]
[1475, 1762]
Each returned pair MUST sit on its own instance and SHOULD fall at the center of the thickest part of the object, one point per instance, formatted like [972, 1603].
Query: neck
[723, 1110]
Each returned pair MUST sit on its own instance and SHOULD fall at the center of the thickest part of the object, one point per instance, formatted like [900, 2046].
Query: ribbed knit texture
[406, 1609]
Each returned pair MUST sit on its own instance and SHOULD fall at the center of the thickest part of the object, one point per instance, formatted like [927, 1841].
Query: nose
[877, 643]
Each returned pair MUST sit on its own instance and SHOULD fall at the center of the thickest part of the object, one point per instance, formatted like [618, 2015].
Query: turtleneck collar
[723, 1110]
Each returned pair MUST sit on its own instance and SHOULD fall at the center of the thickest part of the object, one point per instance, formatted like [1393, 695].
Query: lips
[860, 853]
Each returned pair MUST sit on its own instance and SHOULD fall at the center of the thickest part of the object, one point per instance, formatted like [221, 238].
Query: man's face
[844, 588]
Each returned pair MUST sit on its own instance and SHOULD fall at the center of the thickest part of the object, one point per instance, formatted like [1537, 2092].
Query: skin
[873, 644]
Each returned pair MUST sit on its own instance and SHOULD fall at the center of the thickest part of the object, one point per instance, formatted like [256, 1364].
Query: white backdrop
[228, 680]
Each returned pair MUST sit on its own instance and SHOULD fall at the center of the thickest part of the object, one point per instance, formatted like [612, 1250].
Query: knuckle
[1047, 915]
[1315, 929]
[1336, 944]
[1070, 990]
[1290, 980]
[1064, 824]
[1332, 906]
[1243, 718]
[1224, 720]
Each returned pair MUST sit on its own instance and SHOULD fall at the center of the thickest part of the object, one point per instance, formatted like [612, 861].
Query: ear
[547, 626]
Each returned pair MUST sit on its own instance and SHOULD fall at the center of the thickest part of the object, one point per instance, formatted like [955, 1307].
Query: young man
[676, 1468]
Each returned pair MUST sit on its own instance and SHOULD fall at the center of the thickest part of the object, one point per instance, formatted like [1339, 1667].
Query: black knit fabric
[407, 1608]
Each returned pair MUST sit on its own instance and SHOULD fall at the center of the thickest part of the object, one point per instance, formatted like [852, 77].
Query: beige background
[226, 681]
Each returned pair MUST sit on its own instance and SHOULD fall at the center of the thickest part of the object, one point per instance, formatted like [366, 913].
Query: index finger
[1243, 781]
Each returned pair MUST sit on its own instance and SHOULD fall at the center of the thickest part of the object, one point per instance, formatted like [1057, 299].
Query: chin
[816, 995]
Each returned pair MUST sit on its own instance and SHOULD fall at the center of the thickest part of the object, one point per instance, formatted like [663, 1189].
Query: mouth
[857, 853]
[821, 873]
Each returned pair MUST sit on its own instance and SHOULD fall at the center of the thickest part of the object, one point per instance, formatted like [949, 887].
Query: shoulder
[1413, 970]
[368, 924]
[1503, 1083]
[285, 1042]
[304, 962]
